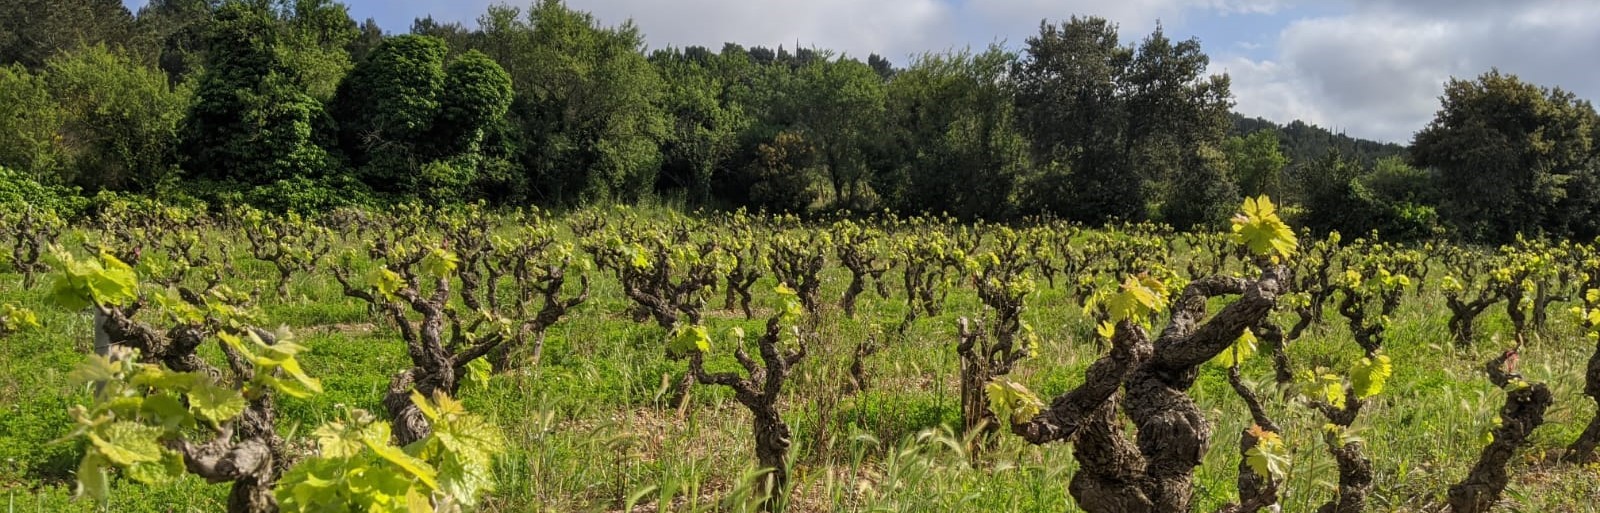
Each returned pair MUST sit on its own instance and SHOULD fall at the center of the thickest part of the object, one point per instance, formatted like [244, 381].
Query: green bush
[306, 196]
[17, 188]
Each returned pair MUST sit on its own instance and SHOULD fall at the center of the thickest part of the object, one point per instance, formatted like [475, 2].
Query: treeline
[1303, 142]
[294, 105]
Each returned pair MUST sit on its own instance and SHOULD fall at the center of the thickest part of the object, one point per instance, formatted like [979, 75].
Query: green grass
[588, 429]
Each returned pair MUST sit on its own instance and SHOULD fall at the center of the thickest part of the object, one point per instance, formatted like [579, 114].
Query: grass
[589, 429]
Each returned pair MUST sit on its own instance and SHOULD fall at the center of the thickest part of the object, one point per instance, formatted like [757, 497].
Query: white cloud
[1373, 68]
[1378, 70]
[894, 28]
[859, 28]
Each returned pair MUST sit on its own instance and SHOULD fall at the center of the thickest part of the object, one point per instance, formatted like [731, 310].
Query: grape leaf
[1260, 230]
[337, 440]
[1268, 458]
[15, 318]
[156, 377]
[156, 472]
[1237, 353]
[1011, 401]
[125, 443]
[114, 283]
[92, 480]
[440, 263]
[467, 462]
[690, 339]
[167, 411]
[216, 404]
[1106, 329]
[1139, 297]
[1369, 375]
[377, 439]
[478, 372]
[1328, 388]
[94, 369]
[386, 282]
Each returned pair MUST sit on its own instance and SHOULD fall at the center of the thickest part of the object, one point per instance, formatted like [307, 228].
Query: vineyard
[162, 359]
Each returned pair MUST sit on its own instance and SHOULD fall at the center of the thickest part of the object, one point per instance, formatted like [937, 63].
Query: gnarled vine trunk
[1156, 473]
[1582, 449]
[759, 393]
[1522, 413]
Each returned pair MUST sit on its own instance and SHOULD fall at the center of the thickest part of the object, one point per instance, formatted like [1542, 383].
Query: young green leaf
[1269, 458]
[1237, 353]
[440, 263]
[126, 442]
[1260, 230]
[690, 339]
[478, 372]
[376, 438]
[1369, 375]
[385, 281]
[92, 480]
[1011, 401]
[216, 404]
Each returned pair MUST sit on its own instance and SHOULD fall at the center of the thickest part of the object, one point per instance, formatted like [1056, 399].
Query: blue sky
[1370, 68]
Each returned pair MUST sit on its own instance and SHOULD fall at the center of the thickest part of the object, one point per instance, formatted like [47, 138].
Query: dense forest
[294, 105]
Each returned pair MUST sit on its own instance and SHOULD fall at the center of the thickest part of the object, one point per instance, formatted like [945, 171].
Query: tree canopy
[294, 104]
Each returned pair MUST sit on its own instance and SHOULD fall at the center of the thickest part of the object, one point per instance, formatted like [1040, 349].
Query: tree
[1068, 105]
[705, 127]
[1338, 194]
[839, 104]
[589, 106]
[1201, 193]
[369, 37]
[29, 123]
[31, 31]
[1257, 163]
[316, 38]
[1116, 129]
[1328, 198]
[387, 104]
[1177, 120]
[250, 122]
[1303, 143]
[953, 143]
[457, 37]
[120, 119]
[882, 66]
[1506, 152]
[412, 125]
[177, 30]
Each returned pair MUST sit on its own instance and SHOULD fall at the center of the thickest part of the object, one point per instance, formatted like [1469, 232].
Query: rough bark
[1111, 476]
[758, 391]
[439, 342]
[858, 365]
[772, 447]
[245, 451]
[1068, 413]
[1173, 433]
[1355, 476]
[1272, 336]
[1463, 313]
[798, 264]
[863, 266]
[1582, 449]
[1522, 413]
[1255, 491]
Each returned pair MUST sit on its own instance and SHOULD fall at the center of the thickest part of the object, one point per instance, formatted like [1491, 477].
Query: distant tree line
[294, 105]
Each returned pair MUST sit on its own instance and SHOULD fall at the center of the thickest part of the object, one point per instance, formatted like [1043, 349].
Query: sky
[1368, 68]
